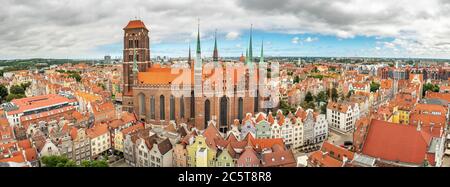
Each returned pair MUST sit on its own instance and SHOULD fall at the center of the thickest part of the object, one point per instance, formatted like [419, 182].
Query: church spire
[198, 38]
[250, 49]
[246, 56]
[261, 59]
[189, 57]
[215, 53]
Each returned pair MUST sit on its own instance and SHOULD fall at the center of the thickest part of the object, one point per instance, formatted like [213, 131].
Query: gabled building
[100, 139]
[342, 116]
[403, 145]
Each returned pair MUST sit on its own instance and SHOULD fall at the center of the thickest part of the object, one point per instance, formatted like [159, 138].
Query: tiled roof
[135, 24]
[133, 128]
[279, 157]
[30, 103]
[396, 142]
[324, 160]
[97, 130]
[436, 95]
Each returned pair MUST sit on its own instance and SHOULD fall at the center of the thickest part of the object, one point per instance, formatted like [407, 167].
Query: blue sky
[275, 44]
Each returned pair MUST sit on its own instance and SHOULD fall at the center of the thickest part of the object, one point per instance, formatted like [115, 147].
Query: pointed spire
[261, 59]
[215, 53]
[189, 57]
[135, 67]
[198, 38]
[250, 49]
[246, 56]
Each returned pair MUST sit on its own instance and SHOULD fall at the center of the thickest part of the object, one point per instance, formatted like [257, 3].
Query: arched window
[207, 112]
[223, 114]
[192, 105]
[182, 107]
[240, 109]
[141, 104]
[130, 43]
[136, 43]
[172, 107]
[256, 101]
[152, 107]
[162, 108]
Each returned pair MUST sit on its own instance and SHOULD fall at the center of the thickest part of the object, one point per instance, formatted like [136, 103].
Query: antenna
[139, 13]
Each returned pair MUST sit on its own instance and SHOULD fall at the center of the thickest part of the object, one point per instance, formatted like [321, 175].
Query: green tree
[94, 163]
[307, 105]
[57, 161]
[430, 87]
[323, 109]
[296, 79]
[322, 97]
[62, 161]
[334, 94]
[76, 76]
[309, 97]
[25, 85]
[3, 92]
[11, 97]
[16, 89]
[350, 93]
[374, 86]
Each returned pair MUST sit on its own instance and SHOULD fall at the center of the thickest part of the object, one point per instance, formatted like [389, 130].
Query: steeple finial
[198, 37]
[250, 49]
[215, 52]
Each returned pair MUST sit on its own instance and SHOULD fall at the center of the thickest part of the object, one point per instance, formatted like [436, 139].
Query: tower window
[130, 43]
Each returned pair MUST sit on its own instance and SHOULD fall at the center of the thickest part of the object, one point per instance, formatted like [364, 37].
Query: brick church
[194, 93]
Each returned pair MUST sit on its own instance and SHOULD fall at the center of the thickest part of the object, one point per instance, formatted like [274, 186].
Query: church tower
[215, 53]
[136, 49]
[198, 67]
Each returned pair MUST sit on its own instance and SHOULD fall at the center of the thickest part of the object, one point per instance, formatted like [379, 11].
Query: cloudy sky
[86, 29]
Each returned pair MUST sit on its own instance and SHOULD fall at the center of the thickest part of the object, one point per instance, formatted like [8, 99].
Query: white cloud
[61, 29]
[309, 39]
[295, 40]
[233, 35]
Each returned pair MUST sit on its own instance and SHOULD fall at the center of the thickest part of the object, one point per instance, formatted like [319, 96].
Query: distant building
[342, 116]
[39, 108]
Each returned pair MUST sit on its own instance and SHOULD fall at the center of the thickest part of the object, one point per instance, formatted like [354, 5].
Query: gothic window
[207, 112]
[172, 107]
[256, 101]
[136, 43]
[182, 107]
[162, 107]
[240, 109]
[130, 43]
[223, 113]
[192, 105]
[141, 104]
[152, 107]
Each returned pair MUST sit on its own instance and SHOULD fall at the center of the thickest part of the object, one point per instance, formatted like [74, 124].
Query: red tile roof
[30, 103]
[321, 159]
[133, 128]
[97, 130]
[135, 24]
[436, 95]
[396, 142]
